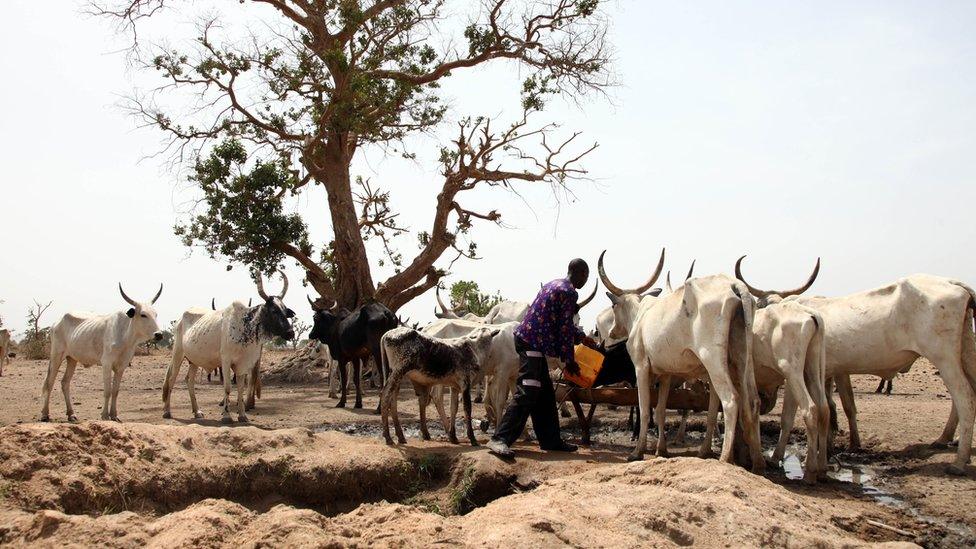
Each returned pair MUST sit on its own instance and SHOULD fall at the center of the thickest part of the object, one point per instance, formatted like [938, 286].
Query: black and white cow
[427, 362]
[230, 339]
[352, 337]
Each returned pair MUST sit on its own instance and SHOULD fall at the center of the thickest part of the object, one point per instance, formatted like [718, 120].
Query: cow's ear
[289, 313]
[131, 312]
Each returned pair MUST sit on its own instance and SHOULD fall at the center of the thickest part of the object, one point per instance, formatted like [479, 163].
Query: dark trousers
[534, 397]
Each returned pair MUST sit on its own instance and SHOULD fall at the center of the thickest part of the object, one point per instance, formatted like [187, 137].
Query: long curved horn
[127, 299]
[586, 301]
[213, 303]
[784, 293]
[284, 289]
[159, 293]
[260, 284]
[444, 309]
[616, 290]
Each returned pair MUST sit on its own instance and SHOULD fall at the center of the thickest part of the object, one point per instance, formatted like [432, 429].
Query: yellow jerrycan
[590, 363]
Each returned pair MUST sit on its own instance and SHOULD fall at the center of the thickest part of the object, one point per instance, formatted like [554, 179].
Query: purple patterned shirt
[548, 324]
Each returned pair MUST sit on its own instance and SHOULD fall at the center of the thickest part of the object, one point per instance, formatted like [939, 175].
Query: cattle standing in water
[230, 339]
[352, 337]
[427, 361]
[883, 331]
[108, 340]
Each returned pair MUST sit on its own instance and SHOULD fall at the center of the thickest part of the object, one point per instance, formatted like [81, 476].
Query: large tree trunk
[354, 282]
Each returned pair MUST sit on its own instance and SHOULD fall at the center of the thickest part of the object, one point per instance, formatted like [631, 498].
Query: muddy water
[866, 479]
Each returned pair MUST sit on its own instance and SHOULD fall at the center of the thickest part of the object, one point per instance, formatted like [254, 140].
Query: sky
[839, 130]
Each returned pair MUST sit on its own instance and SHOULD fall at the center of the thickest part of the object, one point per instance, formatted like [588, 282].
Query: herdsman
[548, 329]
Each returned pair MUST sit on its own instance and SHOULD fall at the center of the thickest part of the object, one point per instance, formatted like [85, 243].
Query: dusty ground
[195, 483]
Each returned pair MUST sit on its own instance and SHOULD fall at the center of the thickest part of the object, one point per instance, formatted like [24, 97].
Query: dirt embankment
[110, 485]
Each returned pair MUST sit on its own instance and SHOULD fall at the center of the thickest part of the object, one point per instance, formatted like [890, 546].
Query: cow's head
[627, 301]
[274, 317]
[481, 343]
[143, 316]
[769, 297]
[325, 321]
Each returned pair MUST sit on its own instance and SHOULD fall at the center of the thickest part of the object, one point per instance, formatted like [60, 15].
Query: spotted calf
[427, 362]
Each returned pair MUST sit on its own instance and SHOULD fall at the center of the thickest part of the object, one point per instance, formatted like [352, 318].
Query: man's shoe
[563, 446]
[500, 449]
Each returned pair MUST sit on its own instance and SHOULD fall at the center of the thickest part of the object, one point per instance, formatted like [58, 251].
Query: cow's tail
[968, 338]
[393, 379]
[177, 360]
[747, 375]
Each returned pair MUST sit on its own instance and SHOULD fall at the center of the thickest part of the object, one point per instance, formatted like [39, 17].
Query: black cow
[352, 336]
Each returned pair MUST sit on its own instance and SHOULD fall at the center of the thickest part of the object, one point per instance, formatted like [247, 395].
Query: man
[547, 330]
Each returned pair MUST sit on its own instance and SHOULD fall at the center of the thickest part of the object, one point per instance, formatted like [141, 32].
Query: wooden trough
[678, 399]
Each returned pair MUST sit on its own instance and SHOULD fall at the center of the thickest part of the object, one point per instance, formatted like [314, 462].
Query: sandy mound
[217, 487]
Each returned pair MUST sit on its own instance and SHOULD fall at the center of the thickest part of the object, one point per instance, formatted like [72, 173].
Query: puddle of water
[863, 477]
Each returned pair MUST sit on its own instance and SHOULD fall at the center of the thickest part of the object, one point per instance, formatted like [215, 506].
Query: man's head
[578, 272]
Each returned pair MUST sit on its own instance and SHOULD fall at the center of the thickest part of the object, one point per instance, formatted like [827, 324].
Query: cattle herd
[745, 343]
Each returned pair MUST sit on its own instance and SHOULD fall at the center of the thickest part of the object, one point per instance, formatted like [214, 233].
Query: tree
[466, 297]
[36, 342]
[300, 328]
[280, 110]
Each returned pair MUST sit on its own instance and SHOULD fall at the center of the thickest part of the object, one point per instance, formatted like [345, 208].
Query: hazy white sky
[785, 131]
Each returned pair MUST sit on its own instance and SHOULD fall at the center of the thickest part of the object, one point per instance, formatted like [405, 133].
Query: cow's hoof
[955, 470]
[167, 415]
[389, 441]
[759, 468]
[73, 418]
[45, 419]
[635, 457]
[401, 440]
[939, 445]
[706, 454]
[341, 404]
[198, 415]
[116, 419]
[358, 405]
[226, 420]
[774, 463]
[475, 443]
[810, 478]
[241, 418]
[483, 425]
[453, 440]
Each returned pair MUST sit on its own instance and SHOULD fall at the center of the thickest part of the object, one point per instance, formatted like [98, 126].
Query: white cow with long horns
[109, 340]
[703, 327]
[231, 339]
[883, 331]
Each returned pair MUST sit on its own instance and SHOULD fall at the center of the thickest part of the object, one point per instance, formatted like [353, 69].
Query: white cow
[230, 339]
[109, 340]
[4, 347]
[698, 329]
[882, 331]
[789, 346]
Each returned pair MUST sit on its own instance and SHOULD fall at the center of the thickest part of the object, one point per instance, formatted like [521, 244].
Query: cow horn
[213, 303]
[310, 302]
[667, 282]
[260, 284]
[616, 290]
[284, 289]
[159, 293]
[249, 301]
[586, 301]
[444, 309]
[127, 299]
[691, 270]
[785, 293]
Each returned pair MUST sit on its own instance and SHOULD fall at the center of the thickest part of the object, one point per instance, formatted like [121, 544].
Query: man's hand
[573, 368]
[589, 342]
